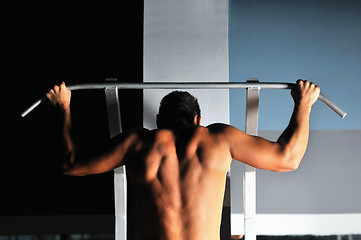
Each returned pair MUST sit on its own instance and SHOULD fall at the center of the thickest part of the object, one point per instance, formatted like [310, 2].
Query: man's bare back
[179, 172]
[179, 179]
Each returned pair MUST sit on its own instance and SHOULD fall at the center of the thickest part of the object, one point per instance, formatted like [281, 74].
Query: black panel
[44, 46]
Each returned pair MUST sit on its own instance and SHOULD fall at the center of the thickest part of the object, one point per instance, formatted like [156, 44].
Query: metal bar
[332, 105]
[120, 179]
[184, 85]
[32, 107]
[249, 175]
[194, 85]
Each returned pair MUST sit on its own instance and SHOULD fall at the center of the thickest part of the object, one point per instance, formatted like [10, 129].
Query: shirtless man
[179, 170]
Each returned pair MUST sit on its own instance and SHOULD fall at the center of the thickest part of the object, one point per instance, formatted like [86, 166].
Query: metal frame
[253, 87]
[120, 178]
[249, 174]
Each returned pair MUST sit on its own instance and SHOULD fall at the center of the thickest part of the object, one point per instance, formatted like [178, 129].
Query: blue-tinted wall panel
[282, 41]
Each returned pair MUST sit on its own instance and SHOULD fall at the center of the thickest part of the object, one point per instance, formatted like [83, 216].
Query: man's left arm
[285, 154]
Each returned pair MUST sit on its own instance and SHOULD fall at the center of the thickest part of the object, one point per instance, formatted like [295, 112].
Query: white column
[186, 41]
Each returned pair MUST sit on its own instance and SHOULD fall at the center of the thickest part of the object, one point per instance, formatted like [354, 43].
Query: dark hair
[177, 109]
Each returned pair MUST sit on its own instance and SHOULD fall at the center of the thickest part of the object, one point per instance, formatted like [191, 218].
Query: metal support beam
[120, 179]
[249, 177]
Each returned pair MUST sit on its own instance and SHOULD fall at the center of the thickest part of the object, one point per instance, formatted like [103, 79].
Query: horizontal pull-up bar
[191, 85]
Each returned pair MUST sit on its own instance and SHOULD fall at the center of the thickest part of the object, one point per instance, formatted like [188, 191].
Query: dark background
[45, 45]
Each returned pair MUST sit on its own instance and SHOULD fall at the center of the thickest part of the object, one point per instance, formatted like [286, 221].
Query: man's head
[178, 109]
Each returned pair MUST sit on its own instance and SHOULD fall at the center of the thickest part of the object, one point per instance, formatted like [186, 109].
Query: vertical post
[249, 177]
[120, 180]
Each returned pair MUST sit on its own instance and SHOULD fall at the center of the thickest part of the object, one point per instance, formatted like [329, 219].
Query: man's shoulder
[137, 133]
[147, 134]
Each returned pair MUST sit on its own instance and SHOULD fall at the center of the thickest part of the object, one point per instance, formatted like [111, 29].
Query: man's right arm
[285, 154]
[82, 160]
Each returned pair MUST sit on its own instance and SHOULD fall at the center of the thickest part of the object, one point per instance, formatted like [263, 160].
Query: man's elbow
[70, 167]
[72, 171]
[289, 167]
[285, 168]
[289, 162]
[67, 170]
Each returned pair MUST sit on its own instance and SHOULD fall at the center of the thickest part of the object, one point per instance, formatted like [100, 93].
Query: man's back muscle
[179, 179]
